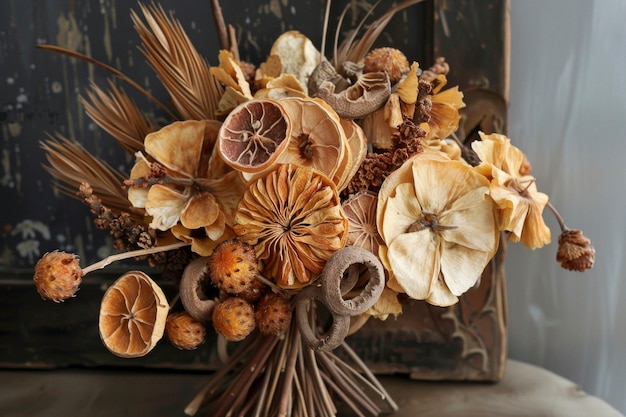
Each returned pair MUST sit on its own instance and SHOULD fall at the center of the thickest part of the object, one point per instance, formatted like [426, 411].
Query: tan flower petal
[165, 205]
[441, 294]
[201, 210]
[386, 305]
[138, 196]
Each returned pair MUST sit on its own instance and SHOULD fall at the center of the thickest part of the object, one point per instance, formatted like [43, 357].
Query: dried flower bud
[389, 60]
[273, 315]
[184, 331]
[57, 276]
[575, 252]
[233, 267]
[233, 318]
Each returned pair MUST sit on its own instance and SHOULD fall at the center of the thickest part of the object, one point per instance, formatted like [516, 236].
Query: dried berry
[57, 276]
[184, 331]
[233, 267]
[273, 315]
[233, 318]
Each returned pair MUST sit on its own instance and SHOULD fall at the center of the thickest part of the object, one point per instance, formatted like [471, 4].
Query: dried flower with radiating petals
[185, 192]
[575, 252]
[293, 217]
[444, 114]
[520, 205]
[439, 227]
[360, 208]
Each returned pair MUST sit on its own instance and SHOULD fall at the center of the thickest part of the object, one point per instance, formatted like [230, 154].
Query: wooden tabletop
[526, 391]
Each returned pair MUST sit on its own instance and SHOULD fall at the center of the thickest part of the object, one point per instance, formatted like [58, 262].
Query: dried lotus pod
[254, 135]
[133, 313]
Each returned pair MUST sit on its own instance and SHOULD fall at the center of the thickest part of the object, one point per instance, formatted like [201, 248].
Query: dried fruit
[233, 318]
[360, 208]
[57, 276]
[133, 313]
[254, 135]
[184, 331]
[273, 315]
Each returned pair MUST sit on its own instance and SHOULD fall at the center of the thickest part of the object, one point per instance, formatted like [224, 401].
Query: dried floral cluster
[278, 187]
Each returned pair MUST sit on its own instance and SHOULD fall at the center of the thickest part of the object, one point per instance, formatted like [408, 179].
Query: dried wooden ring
[328, 341]
[333, 276]
[190, 289]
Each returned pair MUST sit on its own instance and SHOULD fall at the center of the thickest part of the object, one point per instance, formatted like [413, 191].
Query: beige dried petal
[360, 209]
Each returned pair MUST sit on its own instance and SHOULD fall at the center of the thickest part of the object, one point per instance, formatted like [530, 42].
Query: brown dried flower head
[575, 252]
[57, 276]
[293, 218]
[183, 331]
[389, 60]
[233, 318]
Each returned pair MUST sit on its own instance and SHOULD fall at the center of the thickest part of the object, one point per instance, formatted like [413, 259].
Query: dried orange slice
[133, 313]
[253, 135]
[317, 137]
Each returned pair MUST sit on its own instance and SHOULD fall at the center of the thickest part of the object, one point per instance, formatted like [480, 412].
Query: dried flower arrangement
[290, 202]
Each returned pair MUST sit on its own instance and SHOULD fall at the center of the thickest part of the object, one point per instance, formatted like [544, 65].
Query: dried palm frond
[354, 51]
[116, 113]
[195, 93]
[71, 165]
[112, 70]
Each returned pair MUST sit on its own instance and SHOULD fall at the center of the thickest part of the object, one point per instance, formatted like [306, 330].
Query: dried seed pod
[273, 315]
[57, 276]
[184, 331]
[133, 312]
[233, 267]
[389, 60]
[233, 318]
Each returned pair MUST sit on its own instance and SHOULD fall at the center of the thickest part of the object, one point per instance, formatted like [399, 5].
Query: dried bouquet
[290, 201]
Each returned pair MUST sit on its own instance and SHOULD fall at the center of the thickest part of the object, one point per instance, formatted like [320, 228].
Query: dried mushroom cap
[133, 313]
[368, 94]
[254, 135]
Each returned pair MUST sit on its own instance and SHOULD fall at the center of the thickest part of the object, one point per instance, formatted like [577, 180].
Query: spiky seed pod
[57, 276]
[273, 315]
[389, 60]
[183, 331]
[234, 319]
[233, 267]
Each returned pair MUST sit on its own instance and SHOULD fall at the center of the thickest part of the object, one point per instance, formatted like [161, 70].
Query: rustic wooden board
[41, 95]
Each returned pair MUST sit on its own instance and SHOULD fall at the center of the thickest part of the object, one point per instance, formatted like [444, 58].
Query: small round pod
[389, 60]
[57, 276]
[273, 315]
[234, 319]
[183, 331]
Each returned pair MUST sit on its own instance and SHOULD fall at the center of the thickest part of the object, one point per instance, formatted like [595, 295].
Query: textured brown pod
[133, 313]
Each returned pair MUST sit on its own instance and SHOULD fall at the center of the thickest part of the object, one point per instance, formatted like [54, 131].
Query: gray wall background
[567, 112]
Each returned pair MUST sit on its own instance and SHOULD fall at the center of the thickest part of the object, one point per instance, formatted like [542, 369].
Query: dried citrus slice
[317, 137]
[133, 313]
[253, 135]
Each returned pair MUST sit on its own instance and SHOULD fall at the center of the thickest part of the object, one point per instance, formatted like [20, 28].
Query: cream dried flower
[293, 217]
[520, 205]
[439, 228]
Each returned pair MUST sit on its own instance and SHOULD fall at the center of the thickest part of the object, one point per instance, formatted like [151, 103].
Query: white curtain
[568, 114]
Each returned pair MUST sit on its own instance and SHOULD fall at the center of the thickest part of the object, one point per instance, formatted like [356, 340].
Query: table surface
[525, 390]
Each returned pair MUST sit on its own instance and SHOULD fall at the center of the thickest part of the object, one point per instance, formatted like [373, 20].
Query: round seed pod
[389, 60]
[233, 318]
[183, 331]
[273, 315]
[233, 267]
[57, 276]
